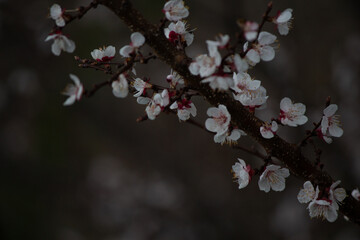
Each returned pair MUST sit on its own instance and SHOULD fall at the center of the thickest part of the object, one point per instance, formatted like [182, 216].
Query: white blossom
[251, 30]
[243, 83]
[306, 194]
[137, 40]
[140, 86]
[356, 194]
[174, 79]
[185, 108]
[292, 114]
[273, 177]
[162, 99]
[61, 43]
[56, 13]
[268, 130]
[330, 124]
[322, 208]
[219, 121]
[178, 31]
[229, 137]
[221, 82]
[205, 65]
[175, 10]
[283, 21]
[120, 87]
[152, 110]
[221, 41]
[262, 49]
[252, 98]
[336, 195]
[103, 54]
[74, 92]
[242, 173]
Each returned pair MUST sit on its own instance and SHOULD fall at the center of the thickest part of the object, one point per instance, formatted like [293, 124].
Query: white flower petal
[284, 16]
[330, 110]
[126, 50]
[267, 53]
[137, 39]
[266, 38]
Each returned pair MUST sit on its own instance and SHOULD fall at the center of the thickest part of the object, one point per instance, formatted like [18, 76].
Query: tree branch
[288, 153]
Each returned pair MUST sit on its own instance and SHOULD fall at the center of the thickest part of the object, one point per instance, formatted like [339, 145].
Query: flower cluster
[177, 32]
[323, 204]
[229, 74]
[273, 176]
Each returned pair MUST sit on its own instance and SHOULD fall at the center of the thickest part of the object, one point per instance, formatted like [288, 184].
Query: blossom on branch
[324, 203]
[322, 208]
[162, 99]
[242, 173]
[184, 108]
[120, 87]
[268, 130]
[219, 121]
[330, 124]
[252, 98]
[73, 91]
[243, 83]
[56, 13]
[205, 65]
[174, 79]
[229, 137]
[306, 194]
[250, 30]
[140, 86]
[336, 195]
[221, 41]
[61, 43]
[175, 10]
[261, 49]
[273, 177]
[292, 114]
[152, 110]
[137, 40]
[103, 54]
[283, 21]
[219, 81]
[177, 32]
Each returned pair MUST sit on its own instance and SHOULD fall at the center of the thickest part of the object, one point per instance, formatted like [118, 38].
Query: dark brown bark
[288, 153]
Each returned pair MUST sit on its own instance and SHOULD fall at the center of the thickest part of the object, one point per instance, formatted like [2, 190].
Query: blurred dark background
[89, 171]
